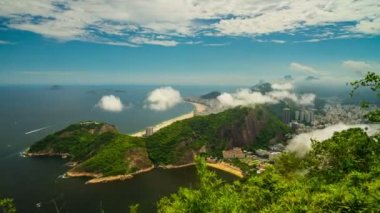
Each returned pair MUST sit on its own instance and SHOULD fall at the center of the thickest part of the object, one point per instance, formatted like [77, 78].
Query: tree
[134, 208]
[371, 80]
[7, 205]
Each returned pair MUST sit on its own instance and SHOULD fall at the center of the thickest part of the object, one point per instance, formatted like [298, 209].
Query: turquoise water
[34, 180]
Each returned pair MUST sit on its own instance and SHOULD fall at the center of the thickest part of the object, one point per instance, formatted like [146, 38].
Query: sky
[187, 42]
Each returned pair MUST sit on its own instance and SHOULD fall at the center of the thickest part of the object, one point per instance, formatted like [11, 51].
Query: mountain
[99, 150]
[262, 87]
[211, 95]
[238, 127]
[311, 78]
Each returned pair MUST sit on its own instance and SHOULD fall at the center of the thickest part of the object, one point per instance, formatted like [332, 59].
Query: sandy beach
[98, 178]
[117, 177]
[227, 168]
[198, 108]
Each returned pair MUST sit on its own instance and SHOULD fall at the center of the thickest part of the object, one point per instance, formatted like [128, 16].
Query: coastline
[198, 108]
[44, 154]
[98, 178]
[170, 166]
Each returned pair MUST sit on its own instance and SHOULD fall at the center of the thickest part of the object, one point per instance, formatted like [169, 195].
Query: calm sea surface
[35, 180]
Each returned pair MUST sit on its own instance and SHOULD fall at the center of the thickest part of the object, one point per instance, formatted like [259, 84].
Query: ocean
[42, 110]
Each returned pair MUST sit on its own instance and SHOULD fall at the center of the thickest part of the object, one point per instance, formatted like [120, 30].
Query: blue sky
[186, 42]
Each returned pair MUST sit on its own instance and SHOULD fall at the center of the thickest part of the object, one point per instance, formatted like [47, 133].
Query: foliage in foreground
[7, 205]
[372, 81]
[341, 174]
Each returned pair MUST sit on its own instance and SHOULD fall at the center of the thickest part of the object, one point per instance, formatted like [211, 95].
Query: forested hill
[238, 127]
[99, 148]
[96, 148]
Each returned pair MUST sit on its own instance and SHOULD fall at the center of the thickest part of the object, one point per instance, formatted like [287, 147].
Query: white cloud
[94, 20]
[360, 67]
[301, 144]
[2, 42]
[143, 40]
[284, 86]
[163, 98]
[110, 103]
[125, 44]
[216, 44]
[243, 97]
[368, 26]
[297, 67]
[278, 41]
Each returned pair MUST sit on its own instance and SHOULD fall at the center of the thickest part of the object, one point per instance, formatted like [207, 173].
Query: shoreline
[44, 154]
[98, 178]
[170, 166]
[198, 108]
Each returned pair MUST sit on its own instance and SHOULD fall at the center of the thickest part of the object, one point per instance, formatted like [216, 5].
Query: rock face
[258, 128]
[137, 158]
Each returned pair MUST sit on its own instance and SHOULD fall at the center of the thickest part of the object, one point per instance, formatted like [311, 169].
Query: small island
[97, 150]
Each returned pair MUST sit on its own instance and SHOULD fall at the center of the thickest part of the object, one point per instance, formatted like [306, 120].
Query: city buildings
[286, 115]
[149, 131]
[236, 152]
[304, 116]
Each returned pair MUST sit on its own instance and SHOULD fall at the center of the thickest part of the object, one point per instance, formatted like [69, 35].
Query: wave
[36, 130]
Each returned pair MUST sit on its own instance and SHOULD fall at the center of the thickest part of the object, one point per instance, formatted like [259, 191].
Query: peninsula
[99, 151]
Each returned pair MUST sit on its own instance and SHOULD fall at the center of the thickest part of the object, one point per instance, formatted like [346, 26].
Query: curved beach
[198, 108]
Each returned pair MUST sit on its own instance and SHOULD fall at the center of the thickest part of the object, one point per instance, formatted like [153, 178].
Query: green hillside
[80, 140]
[238, 127]
[97, 147]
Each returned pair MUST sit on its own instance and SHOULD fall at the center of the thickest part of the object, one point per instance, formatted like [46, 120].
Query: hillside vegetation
[341, 174]
[238, 127]
[98, 148]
